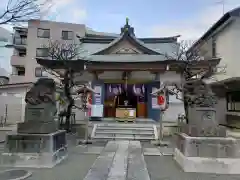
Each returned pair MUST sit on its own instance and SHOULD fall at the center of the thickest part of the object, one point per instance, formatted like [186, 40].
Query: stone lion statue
[43, 91]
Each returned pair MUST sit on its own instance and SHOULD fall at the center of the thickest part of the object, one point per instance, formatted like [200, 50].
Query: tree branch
[18, 11]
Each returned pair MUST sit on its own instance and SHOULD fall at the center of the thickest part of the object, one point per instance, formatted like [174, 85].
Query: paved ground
[83, 158]
[165, 168]
[75, 167]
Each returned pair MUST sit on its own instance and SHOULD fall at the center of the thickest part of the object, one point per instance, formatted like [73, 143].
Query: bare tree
[193, 88]
[18, 11]
[64, 51]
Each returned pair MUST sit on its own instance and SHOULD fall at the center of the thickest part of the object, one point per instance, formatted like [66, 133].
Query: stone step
[125, 128]
[124, 138]
[125, 125]
[126, 132]
[122, 131]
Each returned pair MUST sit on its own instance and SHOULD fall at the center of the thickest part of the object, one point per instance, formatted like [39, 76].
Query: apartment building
[28, 43]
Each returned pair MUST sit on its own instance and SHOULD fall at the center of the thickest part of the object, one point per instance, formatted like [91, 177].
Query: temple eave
[92, 66]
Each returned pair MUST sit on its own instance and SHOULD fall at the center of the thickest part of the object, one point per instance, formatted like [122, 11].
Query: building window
[21, 52]
[67, 35]
[214, 51]
[233, 101]
[19, 71]
[43, 33]
[39, 72]
[42, 52]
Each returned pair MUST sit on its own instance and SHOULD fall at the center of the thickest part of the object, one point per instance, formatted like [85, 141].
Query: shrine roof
[103, 39]
[126, 58]
[102, 44]
[84, 65]
[160, 46]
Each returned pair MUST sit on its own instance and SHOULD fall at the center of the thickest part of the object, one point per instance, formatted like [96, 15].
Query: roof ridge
[126, 34]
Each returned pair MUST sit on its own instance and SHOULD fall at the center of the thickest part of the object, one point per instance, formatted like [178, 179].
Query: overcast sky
[189, 18]
[150, 18]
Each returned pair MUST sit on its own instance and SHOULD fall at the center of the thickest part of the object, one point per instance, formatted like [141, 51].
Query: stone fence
[213, 147]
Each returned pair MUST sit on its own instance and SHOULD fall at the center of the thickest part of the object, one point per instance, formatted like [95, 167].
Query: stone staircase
[128, 131]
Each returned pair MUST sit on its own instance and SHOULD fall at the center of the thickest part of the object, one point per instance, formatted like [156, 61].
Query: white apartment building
[28, 44]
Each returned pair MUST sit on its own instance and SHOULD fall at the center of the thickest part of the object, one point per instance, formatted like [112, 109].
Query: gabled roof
[127, 34]
[233, 13]
[108, 39]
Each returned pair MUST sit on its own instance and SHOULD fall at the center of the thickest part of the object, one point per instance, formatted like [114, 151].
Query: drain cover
[16, 174]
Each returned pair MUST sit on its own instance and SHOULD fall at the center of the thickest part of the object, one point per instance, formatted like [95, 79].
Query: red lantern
[89, 102]
[161, 100]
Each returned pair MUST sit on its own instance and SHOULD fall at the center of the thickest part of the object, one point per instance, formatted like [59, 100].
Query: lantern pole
[160, 135]
[160, 139]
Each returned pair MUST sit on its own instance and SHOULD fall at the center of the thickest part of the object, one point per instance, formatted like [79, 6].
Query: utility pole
[222, 2]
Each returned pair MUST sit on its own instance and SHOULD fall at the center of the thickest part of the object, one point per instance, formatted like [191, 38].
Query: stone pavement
[119, 160]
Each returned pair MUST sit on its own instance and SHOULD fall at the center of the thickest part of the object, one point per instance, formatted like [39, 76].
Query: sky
[150, 18]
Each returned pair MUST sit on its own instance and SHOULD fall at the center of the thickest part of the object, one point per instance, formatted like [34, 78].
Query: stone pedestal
[34, 150]
[31, 127]
[207, 154]
[203, 122]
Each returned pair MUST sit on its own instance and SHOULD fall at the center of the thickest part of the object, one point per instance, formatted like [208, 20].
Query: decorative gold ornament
[126, 113]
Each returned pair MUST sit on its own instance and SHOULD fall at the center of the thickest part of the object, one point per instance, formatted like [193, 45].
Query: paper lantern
[161, 100]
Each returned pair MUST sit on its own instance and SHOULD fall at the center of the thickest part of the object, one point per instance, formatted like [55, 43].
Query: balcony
[16, 79]
[19, 43]
[20, 31]
[18, 60]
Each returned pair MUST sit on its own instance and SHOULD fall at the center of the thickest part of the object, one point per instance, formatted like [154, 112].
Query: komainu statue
[43, 91]
[40, 108]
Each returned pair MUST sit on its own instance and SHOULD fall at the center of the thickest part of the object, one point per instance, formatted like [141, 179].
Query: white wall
[221, 108]
[176, 106]
[13, 98]
[226, 40]
[227, 48]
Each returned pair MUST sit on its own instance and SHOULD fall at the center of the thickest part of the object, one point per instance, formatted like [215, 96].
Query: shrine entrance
[125, 100]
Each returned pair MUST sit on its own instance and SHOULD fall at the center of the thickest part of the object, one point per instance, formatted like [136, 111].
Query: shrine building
[125, 70]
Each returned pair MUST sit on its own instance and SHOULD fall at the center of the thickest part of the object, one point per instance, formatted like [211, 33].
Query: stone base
[207, 165]
[34, 150]
[32, 127]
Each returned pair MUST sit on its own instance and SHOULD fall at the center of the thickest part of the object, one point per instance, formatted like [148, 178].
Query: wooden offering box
[126, 113]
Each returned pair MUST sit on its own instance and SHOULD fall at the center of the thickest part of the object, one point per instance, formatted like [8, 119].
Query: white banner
[154, 100]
